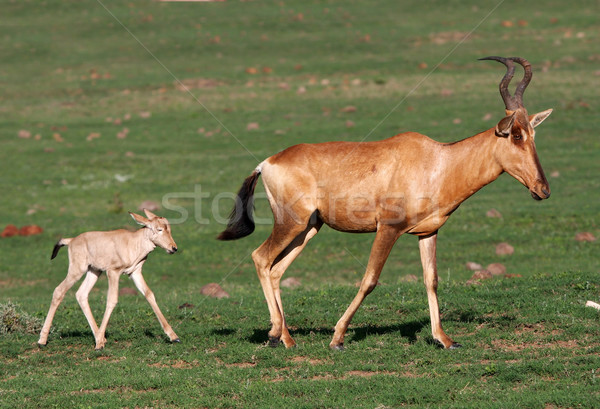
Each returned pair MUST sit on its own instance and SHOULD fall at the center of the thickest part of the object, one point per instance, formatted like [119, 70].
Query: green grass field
[106, 104]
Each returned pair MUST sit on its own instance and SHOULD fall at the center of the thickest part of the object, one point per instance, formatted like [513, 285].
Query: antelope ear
[139, 219]
[538, 118]
[503, 127]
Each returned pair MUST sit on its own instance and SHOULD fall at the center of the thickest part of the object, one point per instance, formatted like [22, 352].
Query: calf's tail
[58, 245]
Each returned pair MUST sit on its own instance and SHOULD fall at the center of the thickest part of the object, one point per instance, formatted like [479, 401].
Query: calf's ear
[139, 219]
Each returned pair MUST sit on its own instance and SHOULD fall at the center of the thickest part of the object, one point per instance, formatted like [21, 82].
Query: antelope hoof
[454, 345]
[274, 341]
[337, 347]
[175, 341]
[41, 346]
[99, 348]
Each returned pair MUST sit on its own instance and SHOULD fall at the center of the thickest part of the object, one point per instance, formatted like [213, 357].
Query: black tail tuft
[57, 247]
[241, 222]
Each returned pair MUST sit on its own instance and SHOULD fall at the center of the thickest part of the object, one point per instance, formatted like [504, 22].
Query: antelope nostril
[174, 249]
[546, 192]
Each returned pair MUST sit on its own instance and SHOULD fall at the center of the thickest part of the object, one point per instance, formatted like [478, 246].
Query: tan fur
[405, 184]
[116, 252]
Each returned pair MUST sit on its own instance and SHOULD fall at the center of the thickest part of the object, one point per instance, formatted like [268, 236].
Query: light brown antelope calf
[116, 252]
[404, 184]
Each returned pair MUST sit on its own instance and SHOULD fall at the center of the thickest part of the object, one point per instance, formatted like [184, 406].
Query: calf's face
[160, 230]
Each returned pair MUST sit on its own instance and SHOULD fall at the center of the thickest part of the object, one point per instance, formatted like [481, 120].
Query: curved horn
[525, 81]
[510, 103]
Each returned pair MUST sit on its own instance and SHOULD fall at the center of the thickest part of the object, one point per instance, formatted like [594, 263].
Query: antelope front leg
[141, 285]
[427, 248]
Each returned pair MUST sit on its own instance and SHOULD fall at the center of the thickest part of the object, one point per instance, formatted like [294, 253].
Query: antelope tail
[58, 245]
[241, 222]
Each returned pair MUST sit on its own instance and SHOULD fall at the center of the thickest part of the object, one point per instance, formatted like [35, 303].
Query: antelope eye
[517, 136]
[159, 230]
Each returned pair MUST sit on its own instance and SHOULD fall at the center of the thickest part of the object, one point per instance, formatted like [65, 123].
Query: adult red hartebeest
[405, 184]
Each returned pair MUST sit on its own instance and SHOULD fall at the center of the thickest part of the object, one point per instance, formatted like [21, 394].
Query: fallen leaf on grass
[593, 305]
[493, 213]
[409, 278]
[123, 133]
[10, 230]
[496, 269]
[149, 205]
[214, 290]
[30, 230]
[478, 276]
[504, 249]
[24, 134]
[348, 109]
[291, 282]
[92, 136]
[445, 92]
[585, 236]
[473, 266]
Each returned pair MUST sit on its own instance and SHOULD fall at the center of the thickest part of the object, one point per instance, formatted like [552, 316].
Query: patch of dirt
[368, 374]
[215, 349]
[177, 364]
[241, 365]
[312, 361]
[111, 359]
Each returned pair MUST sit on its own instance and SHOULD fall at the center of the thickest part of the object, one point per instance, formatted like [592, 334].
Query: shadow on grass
[407, 330]
[75, 334]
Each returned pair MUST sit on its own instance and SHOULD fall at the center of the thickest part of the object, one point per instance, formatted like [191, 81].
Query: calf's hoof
[289, 344]
[455, 345]
[175, 341]
[337, 347]
[41, 346]
[274, 341]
